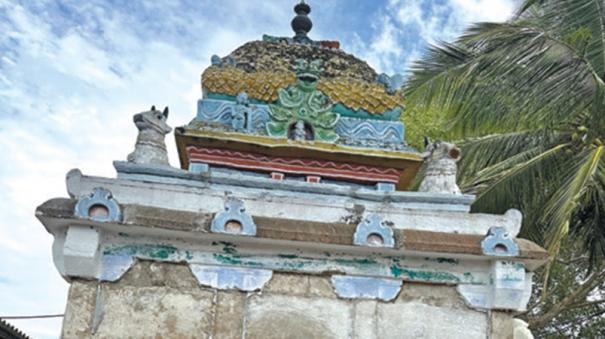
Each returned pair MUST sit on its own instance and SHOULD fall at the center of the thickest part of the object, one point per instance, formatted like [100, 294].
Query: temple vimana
[291, 216]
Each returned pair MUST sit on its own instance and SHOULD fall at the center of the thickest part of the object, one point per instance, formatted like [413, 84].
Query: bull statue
[150, 148]
[440, 176]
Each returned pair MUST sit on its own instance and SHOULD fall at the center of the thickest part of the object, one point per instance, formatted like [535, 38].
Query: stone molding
[165, 218]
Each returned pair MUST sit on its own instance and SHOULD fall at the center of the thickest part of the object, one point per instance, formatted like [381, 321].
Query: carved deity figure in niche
[241, 113]
[300, 133]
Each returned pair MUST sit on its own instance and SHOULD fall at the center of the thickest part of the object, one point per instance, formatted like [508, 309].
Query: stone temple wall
[162, 300]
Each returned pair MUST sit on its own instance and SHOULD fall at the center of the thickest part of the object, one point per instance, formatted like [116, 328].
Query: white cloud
[67, 95]
[71, 77]
[385, 47]
[405, 27]
[484, 10]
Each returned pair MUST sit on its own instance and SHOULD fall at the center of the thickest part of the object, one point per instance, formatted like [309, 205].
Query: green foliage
[420, 123]
[521, 94]
[576, 286]
[527, 100]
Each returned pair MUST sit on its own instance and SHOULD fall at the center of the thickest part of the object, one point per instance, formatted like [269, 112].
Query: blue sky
[73, 72]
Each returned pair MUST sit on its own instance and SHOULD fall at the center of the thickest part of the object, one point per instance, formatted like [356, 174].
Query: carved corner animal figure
[150, 148]
[441, 169]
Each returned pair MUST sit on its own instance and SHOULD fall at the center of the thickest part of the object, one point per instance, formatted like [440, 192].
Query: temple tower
[290, 217]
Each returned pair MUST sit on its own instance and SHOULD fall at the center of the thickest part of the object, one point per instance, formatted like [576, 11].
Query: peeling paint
[430, 276]
[236, 260]
[117, 260]
[151, 251]
[365, 287]
[115, 265]
[224, 278]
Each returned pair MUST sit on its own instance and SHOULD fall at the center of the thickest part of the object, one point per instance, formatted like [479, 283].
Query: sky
[72, 74]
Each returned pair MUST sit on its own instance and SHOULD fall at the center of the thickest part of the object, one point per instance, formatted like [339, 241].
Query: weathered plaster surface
[80, 308]
[417, 320]
[164, 300]
[502, 325]
[161, 271]
[223, 278]
[157, 312]
[277, 316]
[81, 251]
[366, 287]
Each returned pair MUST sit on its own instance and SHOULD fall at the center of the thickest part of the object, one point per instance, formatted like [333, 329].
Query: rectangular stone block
[79, 310]
[415, 320]
[293, 317]
[81, 251]
[229, 317]
[289, 284]
[156, 312]
[365, 320]
[501, 325]
[321, 287]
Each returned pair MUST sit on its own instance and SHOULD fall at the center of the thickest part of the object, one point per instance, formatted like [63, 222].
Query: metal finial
[301, 24]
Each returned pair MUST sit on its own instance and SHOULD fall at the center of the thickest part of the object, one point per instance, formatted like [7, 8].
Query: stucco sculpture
[303, 112]
[98, 206]
[290, 216]
[241, 113]
[150, 148]
[441, 169]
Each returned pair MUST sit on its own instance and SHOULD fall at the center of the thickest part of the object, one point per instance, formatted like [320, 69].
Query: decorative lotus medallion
[303, 112]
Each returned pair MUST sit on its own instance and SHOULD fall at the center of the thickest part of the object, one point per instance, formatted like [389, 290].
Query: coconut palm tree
[528, 98]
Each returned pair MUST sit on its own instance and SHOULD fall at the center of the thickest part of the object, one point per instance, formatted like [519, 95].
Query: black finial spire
[301, 24]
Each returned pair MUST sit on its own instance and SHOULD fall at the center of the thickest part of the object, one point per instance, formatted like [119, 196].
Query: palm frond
[515, 165]
[438, 62]
[582, 23]
[528, 97]
[524, 185]
[527, 4]
[588, 221]
[515, 77]
[559, 209]
[484, 152]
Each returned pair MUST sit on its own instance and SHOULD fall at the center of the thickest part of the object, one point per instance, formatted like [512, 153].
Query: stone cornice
[164, 214]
